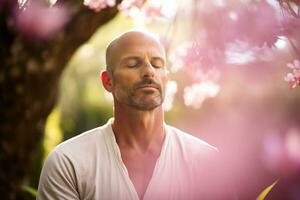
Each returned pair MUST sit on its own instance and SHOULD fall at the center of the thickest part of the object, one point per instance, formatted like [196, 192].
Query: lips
[148, 86]
[147, 83]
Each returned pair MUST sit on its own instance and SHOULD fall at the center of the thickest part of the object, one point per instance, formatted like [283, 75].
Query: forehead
[139, 44]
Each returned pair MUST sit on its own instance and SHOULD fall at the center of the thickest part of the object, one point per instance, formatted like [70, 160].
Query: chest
[140, 170]
[133, 176]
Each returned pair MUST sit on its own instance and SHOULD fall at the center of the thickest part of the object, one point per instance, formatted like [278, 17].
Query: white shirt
[89, 166]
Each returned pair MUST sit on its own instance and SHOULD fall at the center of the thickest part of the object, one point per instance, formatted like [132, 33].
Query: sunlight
[171, 89]
[239, 53]
[281, 43]
[195, 94]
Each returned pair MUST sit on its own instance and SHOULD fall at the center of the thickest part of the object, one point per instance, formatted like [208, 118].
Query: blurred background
[234, 82]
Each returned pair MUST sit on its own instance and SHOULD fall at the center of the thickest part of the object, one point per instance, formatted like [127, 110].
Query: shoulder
[83, 148]
[82, 141]
[77, 154]
[188, 139]
[191, 145]
[67, 164]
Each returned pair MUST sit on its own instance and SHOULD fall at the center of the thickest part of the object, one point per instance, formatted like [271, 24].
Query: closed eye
[157, 62]
[133, 62]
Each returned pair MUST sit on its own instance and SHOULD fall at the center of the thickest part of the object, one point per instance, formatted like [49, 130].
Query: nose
[148, 70]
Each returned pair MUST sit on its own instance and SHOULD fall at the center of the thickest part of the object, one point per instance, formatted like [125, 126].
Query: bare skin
[136, 76]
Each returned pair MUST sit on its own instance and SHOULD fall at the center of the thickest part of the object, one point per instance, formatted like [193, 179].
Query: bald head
[125, 41]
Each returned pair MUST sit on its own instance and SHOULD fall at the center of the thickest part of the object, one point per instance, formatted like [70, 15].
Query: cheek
[122, 78]
[127, 75]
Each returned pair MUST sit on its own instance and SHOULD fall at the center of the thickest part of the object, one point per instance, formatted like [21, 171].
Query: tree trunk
[29, 77]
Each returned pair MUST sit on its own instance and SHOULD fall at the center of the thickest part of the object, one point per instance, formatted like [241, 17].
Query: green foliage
[30, 191]
[53, 133]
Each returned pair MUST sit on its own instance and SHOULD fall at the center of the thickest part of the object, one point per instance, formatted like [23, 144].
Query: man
[135, 155]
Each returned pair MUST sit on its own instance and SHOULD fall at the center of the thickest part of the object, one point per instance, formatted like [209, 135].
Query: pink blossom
[195, 94]
[98, 5]
[128, 7]
[188, 56]
[140, 10]
[253, 21]
[197, 62]
[290, 26]
[37, 21]
[129, 4]
[153, 11]
[293, 78]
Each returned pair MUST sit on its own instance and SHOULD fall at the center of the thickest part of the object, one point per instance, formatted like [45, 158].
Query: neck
[140, 130]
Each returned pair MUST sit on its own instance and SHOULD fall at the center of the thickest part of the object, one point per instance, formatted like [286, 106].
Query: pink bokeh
[39, 21]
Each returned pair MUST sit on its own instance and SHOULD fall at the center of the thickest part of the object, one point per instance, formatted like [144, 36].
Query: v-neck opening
[158, 163]
[124, 169]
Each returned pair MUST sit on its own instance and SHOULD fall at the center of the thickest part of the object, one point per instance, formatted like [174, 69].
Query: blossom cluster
[293, 78]
[131, 8]
[195, 63]
[98, 5]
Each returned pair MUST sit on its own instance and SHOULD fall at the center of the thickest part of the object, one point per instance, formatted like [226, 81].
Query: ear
[106, 80]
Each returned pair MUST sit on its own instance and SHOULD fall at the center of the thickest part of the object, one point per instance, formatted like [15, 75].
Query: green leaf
[29, 190]
[266, 191]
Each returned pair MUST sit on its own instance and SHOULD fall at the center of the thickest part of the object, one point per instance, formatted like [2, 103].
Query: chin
[147, 106]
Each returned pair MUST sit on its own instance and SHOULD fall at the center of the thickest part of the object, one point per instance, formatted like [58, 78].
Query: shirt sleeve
[58, 178]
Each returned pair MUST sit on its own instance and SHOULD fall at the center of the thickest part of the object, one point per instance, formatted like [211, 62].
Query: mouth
[148, 86]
